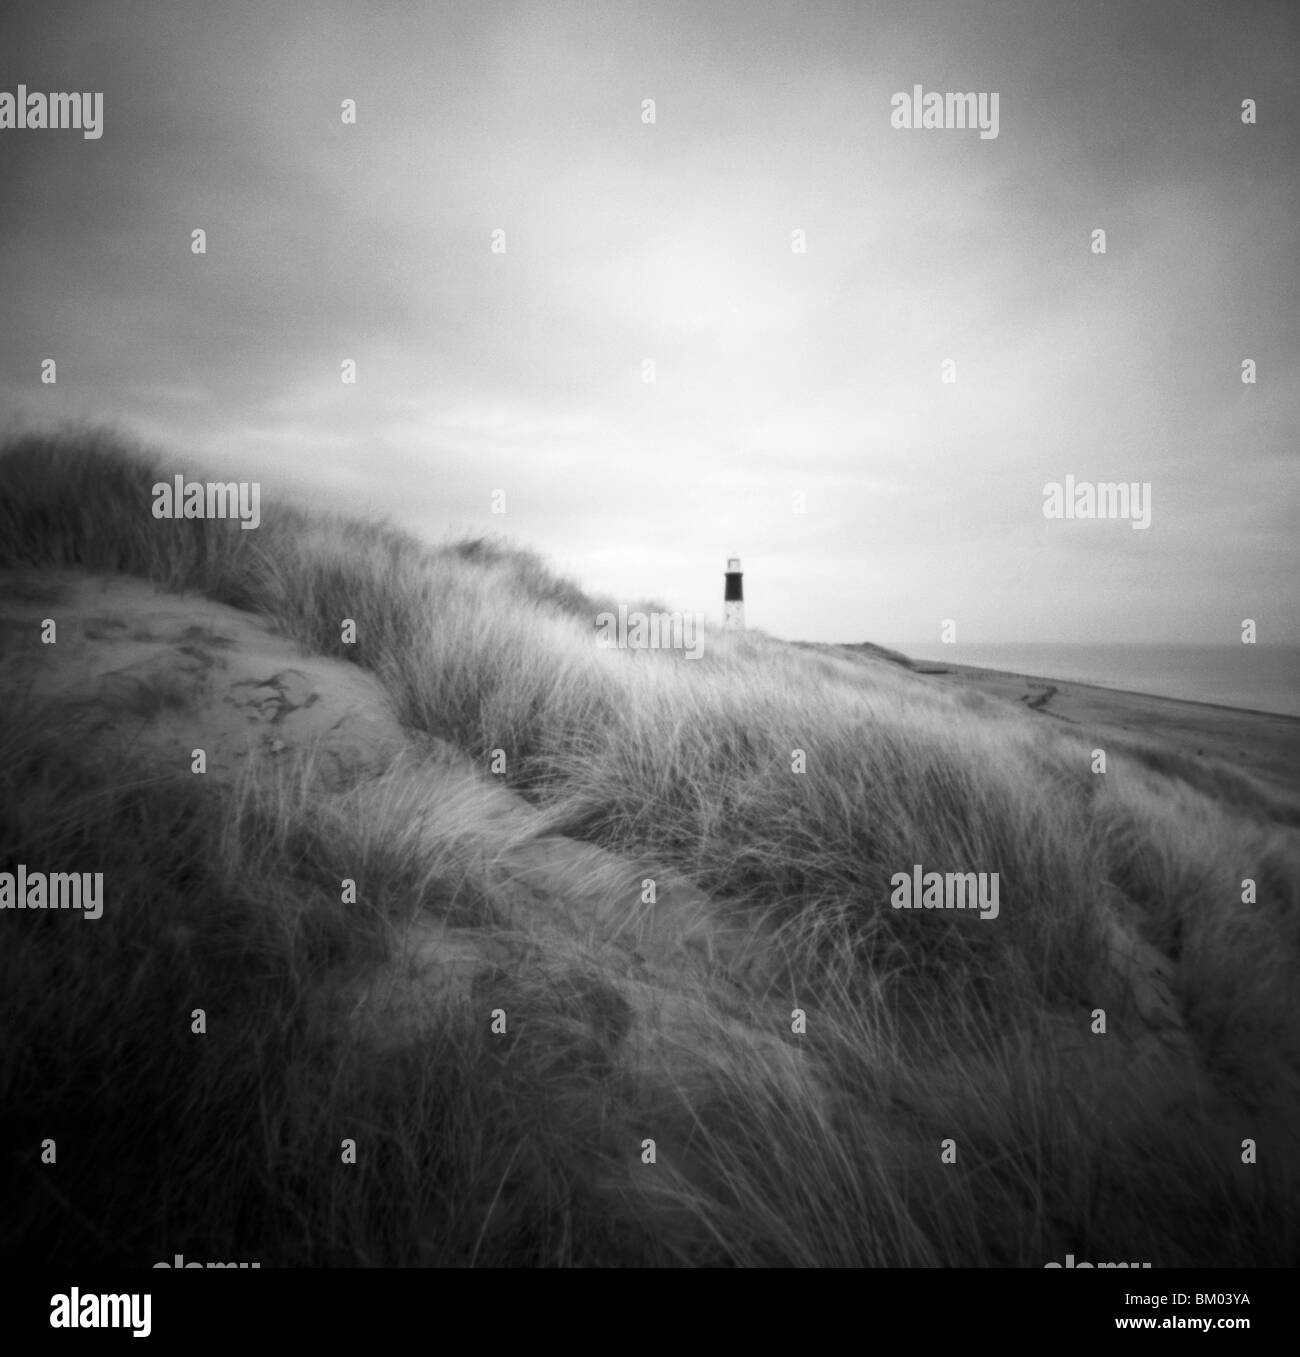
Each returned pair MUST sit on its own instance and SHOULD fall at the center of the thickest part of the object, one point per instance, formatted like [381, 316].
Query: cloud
[774, 371]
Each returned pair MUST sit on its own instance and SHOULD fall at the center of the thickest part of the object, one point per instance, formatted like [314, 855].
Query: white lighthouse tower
[733, 597]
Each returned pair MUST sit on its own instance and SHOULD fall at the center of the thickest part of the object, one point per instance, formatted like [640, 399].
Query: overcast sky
[776, 371]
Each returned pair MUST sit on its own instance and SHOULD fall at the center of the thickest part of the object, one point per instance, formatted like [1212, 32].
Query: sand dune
[589, 954]
[165, 674]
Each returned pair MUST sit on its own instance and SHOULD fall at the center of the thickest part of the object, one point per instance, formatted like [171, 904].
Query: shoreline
[1212, 736]
[1263, 744]
[979, 670]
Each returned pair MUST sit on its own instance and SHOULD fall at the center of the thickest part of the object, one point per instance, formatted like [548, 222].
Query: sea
[1256, 677]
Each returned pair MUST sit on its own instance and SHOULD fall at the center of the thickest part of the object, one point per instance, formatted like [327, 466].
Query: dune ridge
[632, 1013]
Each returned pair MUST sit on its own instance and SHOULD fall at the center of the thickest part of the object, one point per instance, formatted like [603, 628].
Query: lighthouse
[733, 597]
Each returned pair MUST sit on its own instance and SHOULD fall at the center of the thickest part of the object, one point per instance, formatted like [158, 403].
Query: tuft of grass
[789, 785]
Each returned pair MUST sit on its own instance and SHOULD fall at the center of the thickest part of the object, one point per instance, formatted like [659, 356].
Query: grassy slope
[920, 1026]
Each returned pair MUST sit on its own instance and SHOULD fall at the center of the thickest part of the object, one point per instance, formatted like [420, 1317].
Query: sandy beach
[1264, 744]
